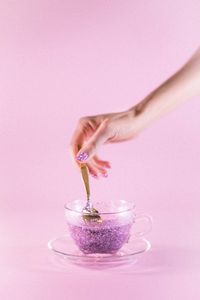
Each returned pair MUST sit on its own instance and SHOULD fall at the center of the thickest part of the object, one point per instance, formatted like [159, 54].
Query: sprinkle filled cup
[109, 235]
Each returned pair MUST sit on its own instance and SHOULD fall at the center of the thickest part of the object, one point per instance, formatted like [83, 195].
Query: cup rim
[131, 208]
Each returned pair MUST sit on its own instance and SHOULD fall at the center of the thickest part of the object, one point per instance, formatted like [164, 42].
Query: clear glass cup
[118, 224]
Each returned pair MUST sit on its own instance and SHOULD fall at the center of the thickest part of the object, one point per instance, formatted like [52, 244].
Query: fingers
[102, 163]
[92, 170]
[76, 140]
[90, 148]
[73, 152]
[98, 168]
[87, 154]
[95, 170]
[84, 129]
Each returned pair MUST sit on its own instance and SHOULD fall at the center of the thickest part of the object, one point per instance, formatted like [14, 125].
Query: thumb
[97, 139]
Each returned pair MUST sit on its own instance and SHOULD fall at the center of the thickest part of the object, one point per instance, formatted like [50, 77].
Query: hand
[94, 131]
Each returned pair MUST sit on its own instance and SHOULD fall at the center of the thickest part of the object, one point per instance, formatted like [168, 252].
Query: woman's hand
[94, 131]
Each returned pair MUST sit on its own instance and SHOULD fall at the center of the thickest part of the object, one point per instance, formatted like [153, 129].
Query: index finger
[76, 142]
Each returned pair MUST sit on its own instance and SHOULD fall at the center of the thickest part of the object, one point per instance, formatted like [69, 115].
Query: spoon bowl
[89, 212]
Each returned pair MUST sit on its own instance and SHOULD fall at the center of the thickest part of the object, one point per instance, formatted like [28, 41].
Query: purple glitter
[106, 237]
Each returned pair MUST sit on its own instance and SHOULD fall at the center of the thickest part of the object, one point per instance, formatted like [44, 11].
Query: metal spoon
[89, 212]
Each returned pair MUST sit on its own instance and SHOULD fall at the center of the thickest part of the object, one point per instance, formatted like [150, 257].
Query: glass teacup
[109, 235]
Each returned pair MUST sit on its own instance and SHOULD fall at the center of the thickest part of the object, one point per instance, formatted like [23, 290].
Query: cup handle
[140, 219]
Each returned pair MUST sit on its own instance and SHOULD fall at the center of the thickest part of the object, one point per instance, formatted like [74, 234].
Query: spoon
[89, 212]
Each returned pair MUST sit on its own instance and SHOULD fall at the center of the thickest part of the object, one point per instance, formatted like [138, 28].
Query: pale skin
[94, 131]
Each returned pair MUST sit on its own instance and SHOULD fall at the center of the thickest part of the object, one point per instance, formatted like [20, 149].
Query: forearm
[182, 86]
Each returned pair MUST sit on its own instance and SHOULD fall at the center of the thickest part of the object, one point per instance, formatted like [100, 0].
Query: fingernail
[82, 156]
[108, 166]
[105, 174]
[94, 175]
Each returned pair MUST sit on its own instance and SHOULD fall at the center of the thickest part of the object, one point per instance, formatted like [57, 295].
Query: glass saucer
[65, 247]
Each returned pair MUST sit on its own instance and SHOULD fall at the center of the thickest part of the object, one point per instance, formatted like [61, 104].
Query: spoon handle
[85, 177]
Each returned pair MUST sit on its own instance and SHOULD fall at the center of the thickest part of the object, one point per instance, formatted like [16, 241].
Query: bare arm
[183, 85]
[94, 131]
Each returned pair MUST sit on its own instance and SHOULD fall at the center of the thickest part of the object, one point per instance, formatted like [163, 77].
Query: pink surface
[64, 59]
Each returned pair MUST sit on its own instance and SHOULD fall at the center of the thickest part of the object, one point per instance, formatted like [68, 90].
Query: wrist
[150, 108]
[138, 117]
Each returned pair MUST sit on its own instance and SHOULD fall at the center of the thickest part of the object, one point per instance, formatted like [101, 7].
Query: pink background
[60, 60]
